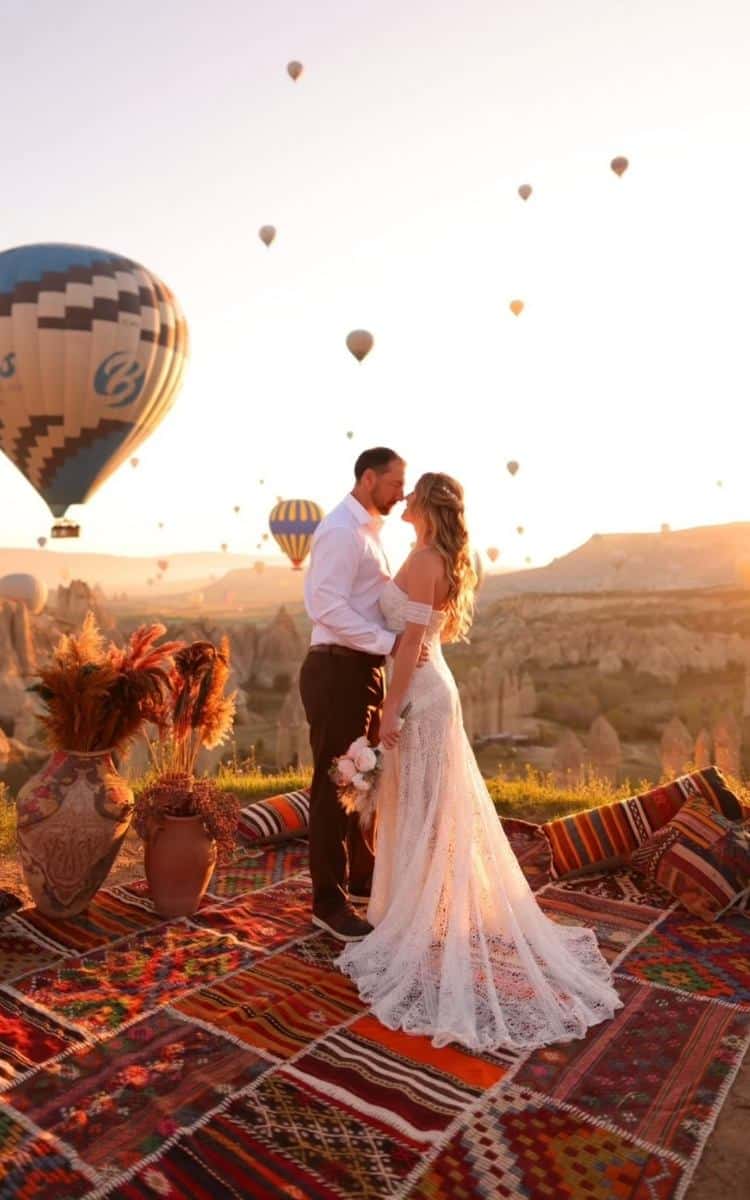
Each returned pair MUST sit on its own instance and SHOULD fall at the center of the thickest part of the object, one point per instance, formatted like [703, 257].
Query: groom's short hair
[378, 459]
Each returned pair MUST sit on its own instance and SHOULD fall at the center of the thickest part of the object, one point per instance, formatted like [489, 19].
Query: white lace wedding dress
[460, 949]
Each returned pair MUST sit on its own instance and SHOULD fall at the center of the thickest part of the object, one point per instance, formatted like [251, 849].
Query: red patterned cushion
[275, 819]
[700, 858]
[606, 836]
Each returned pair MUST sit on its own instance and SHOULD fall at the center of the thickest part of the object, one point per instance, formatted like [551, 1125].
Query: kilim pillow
[276, 818]
[606, 836]
[700, 858]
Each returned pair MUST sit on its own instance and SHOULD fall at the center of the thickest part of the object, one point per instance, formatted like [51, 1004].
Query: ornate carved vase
[72, 818]
[180, 858]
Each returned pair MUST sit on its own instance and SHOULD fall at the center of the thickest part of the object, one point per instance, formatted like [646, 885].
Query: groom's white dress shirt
[348, 571]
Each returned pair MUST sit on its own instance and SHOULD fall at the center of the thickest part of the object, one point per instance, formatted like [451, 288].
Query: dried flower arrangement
[99, 697]
[181, 795]
[192, 713]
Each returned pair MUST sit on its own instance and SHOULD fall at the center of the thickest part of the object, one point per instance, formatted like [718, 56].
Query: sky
[170, 133]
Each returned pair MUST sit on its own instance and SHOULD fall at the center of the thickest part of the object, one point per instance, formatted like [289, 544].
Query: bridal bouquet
[355, 773]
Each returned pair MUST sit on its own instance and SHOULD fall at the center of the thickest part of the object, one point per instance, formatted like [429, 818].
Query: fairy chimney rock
[279, 650]
[702, 751]
[568, 758]
[676, 748]
[727, 744]
[604, 748]
[527, 698]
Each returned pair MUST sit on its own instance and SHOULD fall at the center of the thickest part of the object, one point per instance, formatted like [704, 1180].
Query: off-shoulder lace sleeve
[416, 613]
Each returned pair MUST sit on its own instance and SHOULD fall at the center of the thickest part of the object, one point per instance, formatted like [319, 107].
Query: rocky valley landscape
[625, 658]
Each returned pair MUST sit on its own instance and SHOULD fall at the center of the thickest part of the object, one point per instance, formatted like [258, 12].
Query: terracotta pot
[180, 860]
[72, 818]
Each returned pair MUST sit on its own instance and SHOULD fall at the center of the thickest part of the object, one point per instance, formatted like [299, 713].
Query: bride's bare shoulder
[426, 563]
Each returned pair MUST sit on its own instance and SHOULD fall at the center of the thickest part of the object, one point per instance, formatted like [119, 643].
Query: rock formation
[604, 749]
[280, 651]
[703, 750]
[568, 760]
[292, 733]
[727, 743]
[676, 748]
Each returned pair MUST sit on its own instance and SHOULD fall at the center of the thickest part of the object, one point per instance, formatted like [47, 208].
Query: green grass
[7, 822]
[534, 797]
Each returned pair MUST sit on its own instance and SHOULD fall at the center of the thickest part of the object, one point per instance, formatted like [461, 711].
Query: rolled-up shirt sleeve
[330, 577]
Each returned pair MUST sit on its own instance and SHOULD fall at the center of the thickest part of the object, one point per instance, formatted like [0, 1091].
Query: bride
[460, 949]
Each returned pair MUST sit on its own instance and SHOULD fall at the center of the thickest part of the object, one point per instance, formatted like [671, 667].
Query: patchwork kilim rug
[223, 1056]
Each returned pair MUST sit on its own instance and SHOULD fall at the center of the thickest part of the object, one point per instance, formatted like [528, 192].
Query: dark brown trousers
[342, 696]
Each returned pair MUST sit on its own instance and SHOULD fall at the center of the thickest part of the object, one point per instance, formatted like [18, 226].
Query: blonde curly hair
[440, 500]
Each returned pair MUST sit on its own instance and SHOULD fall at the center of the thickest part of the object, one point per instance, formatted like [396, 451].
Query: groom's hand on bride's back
[424, 651]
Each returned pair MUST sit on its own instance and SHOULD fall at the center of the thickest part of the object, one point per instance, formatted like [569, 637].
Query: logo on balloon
[120, 377]
[8, 366]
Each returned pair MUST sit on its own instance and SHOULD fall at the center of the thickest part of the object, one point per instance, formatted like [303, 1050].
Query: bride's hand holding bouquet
[356, 772]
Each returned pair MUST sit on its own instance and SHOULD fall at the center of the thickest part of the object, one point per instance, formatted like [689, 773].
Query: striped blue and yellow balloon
[293, 523]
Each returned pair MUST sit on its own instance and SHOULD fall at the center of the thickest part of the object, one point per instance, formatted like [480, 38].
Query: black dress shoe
[344, 924]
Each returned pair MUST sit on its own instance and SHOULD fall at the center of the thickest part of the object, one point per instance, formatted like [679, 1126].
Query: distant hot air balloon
[160, 524]
[519, 528]
[720, 483]
[267, 233]
[493, 553]
[619, 165]
[261, 482]
[162, 564]
[134, 462]
[259, 546]
[236, 508]
[225, 546]
[294, 69]
[31, 591]
[359, 342]
[121, 337]
[512, 467]
[525, 191]
[527, 559]
[266, 535]
[350, 435]
[41, 542]
[516, 307]
[665, 527]
[293, 523]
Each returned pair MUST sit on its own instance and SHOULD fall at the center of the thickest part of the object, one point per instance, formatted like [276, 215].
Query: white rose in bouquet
[360, 783]
[346, 769]
[365, 759]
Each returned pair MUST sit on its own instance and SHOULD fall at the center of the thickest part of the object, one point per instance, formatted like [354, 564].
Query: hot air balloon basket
[65, 529]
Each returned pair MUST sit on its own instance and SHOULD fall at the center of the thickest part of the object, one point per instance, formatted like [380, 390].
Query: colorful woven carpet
[224, 1056]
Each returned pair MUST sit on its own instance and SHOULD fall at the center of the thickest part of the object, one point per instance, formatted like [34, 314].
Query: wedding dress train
[460, 949]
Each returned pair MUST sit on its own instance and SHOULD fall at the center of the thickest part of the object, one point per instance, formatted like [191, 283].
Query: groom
[342, 678]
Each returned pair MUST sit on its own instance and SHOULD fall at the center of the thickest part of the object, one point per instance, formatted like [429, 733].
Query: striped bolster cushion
[275, 819]
[700, 858]
[607, 835]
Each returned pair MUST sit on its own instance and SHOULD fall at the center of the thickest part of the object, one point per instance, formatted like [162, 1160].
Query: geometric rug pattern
[224, 1056]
